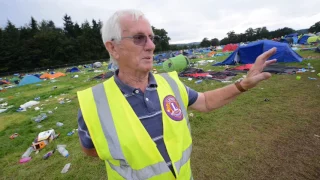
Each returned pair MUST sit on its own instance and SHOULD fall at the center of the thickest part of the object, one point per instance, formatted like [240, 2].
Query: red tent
[230, 47]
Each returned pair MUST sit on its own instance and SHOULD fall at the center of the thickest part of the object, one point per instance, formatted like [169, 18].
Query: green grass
[247, 139]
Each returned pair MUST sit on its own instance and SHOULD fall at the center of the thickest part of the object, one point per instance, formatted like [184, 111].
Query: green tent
[177, 63]
[313, 39]
[15, 79]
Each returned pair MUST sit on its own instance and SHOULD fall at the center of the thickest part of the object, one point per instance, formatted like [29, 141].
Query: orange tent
[211, 53]
[45, 76]
[58, 74]
[50, 76]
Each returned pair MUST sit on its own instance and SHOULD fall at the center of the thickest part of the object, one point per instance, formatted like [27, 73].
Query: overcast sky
[185, 20]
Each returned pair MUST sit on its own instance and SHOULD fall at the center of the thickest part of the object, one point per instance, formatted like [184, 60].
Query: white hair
[111, 29]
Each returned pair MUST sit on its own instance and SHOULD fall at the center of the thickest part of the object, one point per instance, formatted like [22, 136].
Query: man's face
[134, 55]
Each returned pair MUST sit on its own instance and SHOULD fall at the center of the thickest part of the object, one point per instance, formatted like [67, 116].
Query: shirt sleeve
[193, 95]
[83, 132]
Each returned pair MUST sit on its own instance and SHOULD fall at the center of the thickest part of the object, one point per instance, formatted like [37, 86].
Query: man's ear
[112, 49]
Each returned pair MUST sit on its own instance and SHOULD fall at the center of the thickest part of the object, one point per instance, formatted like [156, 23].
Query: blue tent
[248, 54]
[29, 79]
[74, 69]
[304, 39]
[163, 56]
[295, 39]
[292, 35]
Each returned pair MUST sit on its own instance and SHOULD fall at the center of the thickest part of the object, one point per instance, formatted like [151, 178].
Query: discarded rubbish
[313, 71]
[50, 112]
[69, 101]
[298, 77]
[39, 126]
[70, 133]
[21, 110]
[48, 154]
[1, 99]
[226, 81]
[191, 114]
[317, 136]
[3, 105]
[66, 168]
[59, 124]
[190, 79]
[312, 78]
[43, 139]
[62, 150]
[24, 160]
[14, 135]
[37, 98]
[61, 102]
[29, 104]
[40, 118]
[27, 152]
[198, 82]
[3, 110]
[55, 108]
[36, 108]
[54, 87]
[75, 76]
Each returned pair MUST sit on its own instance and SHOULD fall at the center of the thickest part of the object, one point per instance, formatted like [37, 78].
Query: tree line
[254, 34]
[43, 45]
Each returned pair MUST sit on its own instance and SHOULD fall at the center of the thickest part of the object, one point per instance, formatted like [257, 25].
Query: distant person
[136, 121]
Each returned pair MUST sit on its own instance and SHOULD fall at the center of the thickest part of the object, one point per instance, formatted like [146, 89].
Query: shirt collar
[126, 89]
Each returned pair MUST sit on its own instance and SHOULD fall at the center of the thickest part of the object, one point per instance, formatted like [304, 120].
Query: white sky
[185, 20]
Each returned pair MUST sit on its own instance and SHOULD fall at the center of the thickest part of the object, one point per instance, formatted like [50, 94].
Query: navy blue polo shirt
[147, 107]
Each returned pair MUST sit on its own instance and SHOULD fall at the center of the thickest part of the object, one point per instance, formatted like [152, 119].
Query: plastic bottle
[27, 153]
[66, 168]
[59, 124]
[62, 150]
[46, 156]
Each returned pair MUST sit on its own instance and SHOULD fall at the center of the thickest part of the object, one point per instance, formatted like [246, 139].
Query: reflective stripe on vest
[109, 130]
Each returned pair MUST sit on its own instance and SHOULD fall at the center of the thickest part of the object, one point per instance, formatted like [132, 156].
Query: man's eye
[139, 37]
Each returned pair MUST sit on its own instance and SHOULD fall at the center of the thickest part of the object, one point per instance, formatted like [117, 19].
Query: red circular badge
[172, 108]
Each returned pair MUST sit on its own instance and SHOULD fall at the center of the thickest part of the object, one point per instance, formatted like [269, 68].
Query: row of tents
[302, 39]
[244, 55]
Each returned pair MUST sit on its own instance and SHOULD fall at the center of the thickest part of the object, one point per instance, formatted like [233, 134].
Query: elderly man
[137, 122]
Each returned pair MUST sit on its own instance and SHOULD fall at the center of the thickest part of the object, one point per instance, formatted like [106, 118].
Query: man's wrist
[240, 86]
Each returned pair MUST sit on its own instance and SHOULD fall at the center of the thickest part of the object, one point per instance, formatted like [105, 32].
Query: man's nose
[150, 46]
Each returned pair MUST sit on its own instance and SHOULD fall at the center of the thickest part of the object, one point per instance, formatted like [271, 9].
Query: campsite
[270, 132]
[199, 90]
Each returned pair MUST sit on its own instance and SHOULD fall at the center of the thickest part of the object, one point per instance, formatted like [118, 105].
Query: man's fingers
[261, 77]
[267, 63]
[266, 55]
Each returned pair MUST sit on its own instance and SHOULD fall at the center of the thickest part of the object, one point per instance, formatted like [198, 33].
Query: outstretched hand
[255, 74]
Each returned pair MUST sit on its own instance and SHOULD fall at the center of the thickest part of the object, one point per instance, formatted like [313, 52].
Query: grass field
[247, 139]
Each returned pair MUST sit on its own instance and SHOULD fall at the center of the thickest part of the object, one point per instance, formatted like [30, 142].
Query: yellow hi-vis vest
[121, 140]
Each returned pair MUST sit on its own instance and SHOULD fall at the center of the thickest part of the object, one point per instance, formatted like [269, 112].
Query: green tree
[315, 28]
[215, 42]
[205, 43]
[68, 26]
[163, 44]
